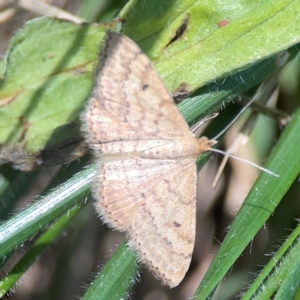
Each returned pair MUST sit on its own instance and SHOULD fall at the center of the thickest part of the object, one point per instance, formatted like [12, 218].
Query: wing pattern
[154, 202]
[146, 183]
[129, 101]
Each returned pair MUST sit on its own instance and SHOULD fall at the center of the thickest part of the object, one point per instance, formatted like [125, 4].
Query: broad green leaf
[46, 81]
[48, 67]
[204, 52]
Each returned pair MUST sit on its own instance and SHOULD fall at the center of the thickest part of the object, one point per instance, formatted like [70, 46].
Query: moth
[146, 155]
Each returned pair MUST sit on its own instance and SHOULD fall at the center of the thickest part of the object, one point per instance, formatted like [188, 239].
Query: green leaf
[47, 76]
[47, 79]
[205, 52]
[48, 67]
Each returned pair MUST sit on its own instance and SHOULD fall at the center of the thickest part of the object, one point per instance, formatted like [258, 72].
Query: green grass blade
[116, 278]
[12, 193]
[259, 205]
[281, 272]
[223, 90]
[289, 282]
[38, 247]
[41, 212]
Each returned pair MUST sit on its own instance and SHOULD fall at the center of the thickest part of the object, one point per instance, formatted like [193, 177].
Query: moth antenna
[261, 91]
[227, 155]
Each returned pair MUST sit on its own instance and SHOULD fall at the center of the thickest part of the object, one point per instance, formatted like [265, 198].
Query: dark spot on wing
[176, 224]
[145, 86]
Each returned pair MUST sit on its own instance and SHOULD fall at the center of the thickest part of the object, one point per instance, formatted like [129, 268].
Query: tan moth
[146, 156]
